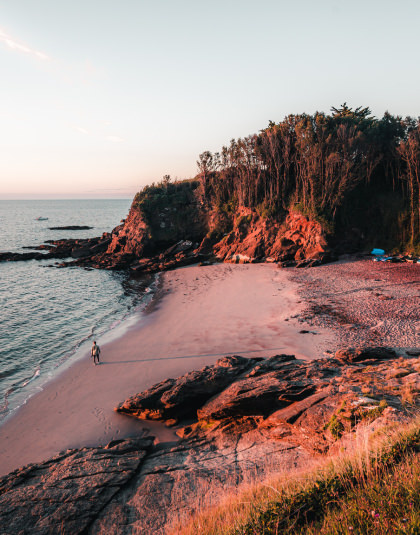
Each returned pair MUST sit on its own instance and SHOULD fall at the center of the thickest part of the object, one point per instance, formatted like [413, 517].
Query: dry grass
[374, 490]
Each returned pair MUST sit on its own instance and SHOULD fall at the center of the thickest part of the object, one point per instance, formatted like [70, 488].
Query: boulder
[254, 396]
[365, 354]
[180, 398]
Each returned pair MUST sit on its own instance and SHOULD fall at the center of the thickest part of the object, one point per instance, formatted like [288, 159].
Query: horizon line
[66, 199]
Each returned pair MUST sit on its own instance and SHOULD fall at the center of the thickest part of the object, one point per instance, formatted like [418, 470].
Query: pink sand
[206, 312]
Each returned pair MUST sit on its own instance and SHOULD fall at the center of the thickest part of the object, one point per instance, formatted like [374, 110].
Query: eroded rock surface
[175, 399]
[294, 241]
[67, 493]
[238, 421]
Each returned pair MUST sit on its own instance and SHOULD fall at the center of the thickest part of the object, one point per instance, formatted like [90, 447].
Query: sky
[101, 97]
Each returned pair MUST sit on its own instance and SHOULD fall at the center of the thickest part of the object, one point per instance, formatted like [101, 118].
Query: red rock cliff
[255, 239]
[173, 226]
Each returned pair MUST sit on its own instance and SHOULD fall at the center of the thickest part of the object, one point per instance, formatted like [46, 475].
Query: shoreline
[198, 315]
[115, 330]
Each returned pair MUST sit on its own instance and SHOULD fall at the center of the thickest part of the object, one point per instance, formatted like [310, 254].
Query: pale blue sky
[100, 97]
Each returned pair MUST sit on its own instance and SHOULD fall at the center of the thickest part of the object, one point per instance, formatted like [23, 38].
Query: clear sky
[100, 97]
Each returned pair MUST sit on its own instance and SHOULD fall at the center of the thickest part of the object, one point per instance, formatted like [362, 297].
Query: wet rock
[16, 257]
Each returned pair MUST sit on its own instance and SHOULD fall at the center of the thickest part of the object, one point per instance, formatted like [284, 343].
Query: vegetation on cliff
[357, 175]
[165, 195]
[348, 170]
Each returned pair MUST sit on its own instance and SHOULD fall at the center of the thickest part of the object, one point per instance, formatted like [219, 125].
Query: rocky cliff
[171, 225]
[255, 239]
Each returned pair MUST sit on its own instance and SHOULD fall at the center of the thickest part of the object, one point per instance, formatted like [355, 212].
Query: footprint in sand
[99, 414]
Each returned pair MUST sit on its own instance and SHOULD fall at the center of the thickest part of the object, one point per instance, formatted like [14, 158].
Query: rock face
[246, 419]
[172, 226]
[255, 239]
[178, 235]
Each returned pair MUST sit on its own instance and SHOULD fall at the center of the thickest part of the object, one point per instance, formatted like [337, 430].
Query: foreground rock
[239, 421]
[66, 494]
[176, 399]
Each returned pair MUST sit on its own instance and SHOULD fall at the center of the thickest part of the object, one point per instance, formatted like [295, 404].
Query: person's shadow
[196, 356]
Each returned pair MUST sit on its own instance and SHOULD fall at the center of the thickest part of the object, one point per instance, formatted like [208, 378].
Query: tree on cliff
[328, 166]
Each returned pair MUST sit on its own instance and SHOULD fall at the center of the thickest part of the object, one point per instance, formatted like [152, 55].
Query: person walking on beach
[95, 352]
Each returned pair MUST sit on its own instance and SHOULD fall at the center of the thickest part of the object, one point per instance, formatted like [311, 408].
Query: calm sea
[48, 315]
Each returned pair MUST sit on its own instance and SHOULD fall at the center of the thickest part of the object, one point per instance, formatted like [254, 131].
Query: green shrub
[336, 427]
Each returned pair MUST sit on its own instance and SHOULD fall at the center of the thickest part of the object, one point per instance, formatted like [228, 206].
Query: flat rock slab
[66, 494]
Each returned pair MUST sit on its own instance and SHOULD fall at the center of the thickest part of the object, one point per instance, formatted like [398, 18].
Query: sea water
[49, 315]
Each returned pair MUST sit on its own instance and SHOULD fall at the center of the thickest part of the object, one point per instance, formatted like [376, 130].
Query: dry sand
[203, 313]
[363, 302]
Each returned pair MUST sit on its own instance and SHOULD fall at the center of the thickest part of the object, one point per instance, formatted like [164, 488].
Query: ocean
[49, 316]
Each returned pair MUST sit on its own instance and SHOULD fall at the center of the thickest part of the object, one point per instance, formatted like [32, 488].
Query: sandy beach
[202, 313]
[363, 302]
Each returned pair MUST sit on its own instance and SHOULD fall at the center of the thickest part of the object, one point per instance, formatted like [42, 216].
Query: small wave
[144, 301]
[19, 385]
[30, 379]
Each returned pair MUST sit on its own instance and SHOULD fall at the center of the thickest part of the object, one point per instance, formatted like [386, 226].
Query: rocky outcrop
[279, 388]
[67, 493]
[64, 249]
[296, 240]
[176, 399]
[240, 420]
[72, 227]
[171, 225]
[162, 231]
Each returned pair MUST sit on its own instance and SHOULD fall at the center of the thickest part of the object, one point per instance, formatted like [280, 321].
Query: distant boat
[41, 218]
